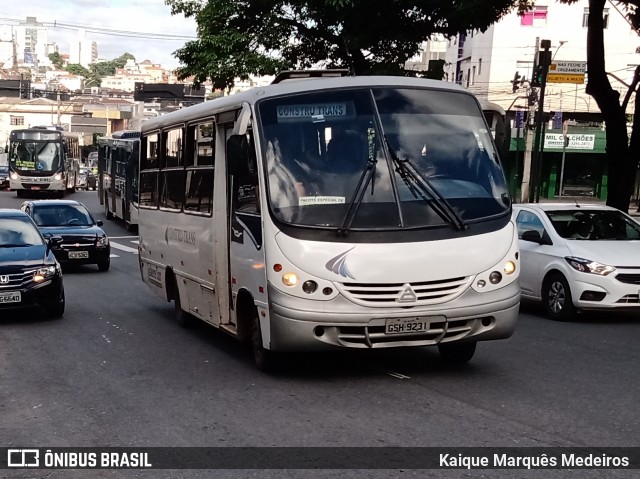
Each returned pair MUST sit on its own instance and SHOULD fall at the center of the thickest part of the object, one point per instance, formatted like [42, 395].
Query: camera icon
[23, 458]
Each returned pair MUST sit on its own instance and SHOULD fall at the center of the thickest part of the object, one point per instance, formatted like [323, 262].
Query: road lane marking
[114, 255]
[393, 374]
[122, 247]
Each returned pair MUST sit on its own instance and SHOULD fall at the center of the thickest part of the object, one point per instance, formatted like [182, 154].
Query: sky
[142, 16]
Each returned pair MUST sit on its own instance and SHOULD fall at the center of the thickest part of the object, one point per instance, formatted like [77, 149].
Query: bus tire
[457, 353]
[263, 358]
[107, 213]
[183, 318]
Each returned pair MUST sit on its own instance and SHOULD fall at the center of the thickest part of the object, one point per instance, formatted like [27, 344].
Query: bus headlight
[57, 176]
[14, 176]
[290, 279]
[509, 267]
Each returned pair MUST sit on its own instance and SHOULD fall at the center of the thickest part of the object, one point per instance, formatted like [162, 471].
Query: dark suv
[30, 275]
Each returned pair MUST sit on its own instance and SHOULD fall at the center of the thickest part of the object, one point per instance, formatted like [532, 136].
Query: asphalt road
[118, 371]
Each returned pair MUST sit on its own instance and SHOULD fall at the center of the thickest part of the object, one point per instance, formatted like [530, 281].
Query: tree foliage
[260, 37]
[622, 153]
[56, 59]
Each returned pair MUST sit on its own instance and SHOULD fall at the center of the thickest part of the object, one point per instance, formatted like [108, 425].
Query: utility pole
[541, 70]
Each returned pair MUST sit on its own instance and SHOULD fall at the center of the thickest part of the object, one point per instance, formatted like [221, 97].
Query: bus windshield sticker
[25, 164]
[316, 112]
[320, 200]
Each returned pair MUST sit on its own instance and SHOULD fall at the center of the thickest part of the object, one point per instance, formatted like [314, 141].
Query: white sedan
[578, 257]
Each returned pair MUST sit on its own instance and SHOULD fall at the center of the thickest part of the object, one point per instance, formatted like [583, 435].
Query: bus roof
[293, 87]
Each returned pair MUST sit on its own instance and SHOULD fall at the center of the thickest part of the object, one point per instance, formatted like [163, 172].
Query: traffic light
[538, 76]
[516, 82]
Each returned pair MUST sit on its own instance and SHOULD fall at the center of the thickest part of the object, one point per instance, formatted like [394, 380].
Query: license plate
[35, 187]
[407, 325]
[78, 254]
[10, 297]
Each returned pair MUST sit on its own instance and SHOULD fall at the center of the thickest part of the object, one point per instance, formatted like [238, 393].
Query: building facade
[497, 66]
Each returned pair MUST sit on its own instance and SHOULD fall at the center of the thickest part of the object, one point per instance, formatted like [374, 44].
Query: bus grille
[405, 294]
[374, 336]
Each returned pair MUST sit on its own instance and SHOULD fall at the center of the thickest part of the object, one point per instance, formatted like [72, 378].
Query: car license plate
[407, 325]
[35, 187]
[78, 254]
[10, 297]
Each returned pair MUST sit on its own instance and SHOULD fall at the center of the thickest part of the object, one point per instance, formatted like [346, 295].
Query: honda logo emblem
[4, 279]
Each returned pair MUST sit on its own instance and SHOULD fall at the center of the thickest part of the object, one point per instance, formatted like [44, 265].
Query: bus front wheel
[263, 358]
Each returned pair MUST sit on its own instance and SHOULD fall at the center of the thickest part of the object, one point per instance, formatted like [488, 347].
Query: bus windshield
[29, 156]
[380, 158]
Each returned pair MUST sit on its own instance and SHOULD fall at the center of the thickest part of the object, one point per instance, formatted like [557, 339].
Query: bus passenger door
[244, 226]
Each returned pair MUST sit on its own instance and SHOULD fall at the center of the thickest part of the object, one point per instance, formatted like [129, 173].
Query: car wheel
[556, 296]
[56, 310]
[104, 265]
[457, 353]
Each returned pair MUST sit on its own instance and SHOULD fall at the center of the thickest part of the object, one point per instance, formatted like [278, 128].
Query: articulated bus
[329, 213]
[43, 160]
[118, 162]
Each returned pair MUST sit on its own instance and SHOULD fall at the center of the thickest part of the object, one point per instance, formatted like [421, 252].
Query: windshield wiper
[365, 177]
[417, 184]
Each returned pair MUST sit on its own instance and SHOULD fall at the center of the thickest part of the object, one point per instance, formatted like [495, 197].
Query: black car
[4, 177]
[86, 179]
[83, 241]
[30, 276]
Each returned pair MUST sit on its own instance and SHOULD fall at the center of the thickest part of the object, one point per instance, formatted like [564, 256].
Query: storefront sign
[577, 141]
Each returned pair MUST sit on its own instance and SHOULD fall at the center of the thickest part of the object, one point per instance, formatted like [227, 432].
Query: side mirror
[535, 237]
[99, 223]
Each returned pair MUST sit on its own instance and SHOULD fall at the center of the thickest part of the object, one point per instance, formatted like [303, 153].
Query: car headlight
[588, 266]
[102, 242]
[44, 273]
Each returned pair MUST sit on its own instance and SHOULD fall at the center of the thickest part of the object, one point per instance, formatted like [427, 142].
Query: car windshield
[18, 232]
[61, 215]
[594, 225]
[381, 158]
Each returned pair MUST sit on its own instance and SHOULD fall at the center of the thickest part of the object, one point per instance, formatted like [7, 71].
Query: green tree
[77, 69]
[56, 59]
[240, 38]
[622, 152]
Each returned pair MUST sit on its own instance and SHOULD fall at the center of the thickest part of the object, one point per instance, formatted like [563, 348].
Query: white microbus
[351, 212]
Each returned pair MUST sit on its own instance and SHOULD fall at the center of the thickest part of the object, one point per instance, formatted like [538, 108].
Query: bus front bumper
[295, 326]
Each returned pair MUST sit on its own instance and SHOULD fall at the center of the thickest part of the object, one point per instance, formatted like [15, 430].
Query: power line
[107, 31]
